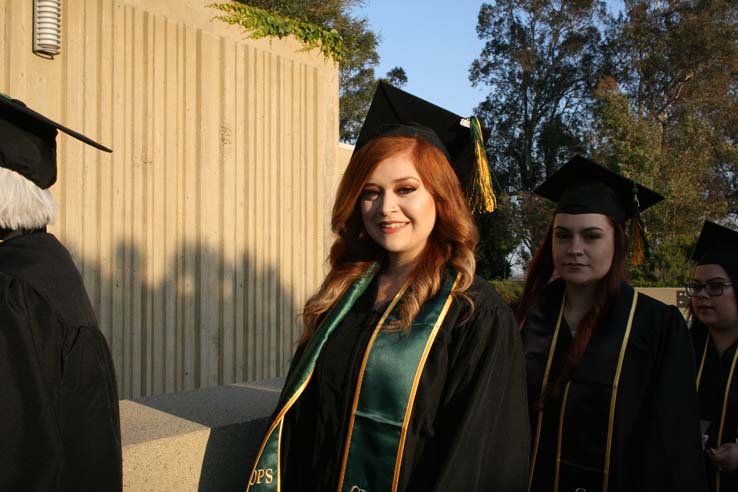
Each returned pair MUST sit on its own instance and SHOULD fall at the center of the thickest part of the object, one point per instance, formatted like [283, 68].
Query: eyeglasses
[713, 289]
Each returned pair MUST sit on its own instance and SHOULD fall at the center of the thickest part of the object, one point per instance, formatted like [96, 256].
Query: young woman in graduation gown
[612, 404]
[410, 374]
[714, 314]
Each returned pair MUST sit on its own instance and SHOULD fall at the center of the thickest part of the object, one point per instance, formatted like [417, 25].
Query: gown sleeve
[90, 418]
[671, 437]
[479, 437]
[59, 407]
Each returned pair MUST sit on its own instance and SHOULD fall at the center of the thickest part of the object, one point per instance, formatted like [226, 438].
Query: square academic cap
[396, 112]
[717, 245]
[28, 142]
[581, 186]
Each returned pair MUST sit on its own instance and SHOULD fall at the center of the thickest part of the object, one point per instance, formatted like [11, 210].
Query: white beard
[23, 205]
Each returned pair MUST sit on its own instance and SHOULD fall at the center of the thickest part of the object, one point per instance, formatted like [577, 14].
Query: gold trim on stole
[416, 381]
[726, 393]
[613, 400]
[702, 362]
[561, 434]
[359, 380]
[279, 458]
[278, 421]
[543, 388]
[725, 407]
[615, 384]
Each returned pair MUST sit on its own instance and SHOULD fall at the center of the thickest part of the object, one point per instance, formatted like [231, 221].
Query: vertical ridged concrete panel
[201, 236]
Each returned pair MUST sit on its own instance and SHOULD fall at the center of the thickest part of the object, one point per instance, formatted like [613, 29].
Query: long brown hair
[451, 242]
[539, 275]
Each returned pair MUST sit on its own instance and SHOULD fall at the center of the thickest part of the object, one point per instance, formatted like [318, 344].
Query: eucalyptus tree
[668, 114]
[540, 63]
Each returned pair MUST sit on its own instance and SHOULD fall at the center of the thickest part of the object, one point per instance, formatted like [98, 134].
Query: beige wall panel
[201, 236]
[226, 342]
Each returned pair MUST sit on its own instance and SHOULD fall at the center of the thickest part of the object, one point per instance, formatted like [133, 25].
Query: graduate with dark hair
[59, 423]
[613, 406]
[409, 375]
[714, 312]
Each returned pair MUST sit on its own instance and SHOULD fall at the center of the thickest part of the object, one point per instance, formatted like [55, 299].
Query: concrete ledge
[674, 296]
[203, 440]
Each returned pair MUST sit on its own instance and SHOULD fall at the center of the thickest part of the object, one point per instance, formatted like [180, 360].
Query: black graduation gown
[655, 438]
[715, 372]
[59, 418]
[468, 430]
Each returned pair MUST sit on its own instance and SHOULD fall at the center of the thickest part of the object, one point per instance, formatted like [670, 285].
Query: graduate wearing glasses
[714, 310]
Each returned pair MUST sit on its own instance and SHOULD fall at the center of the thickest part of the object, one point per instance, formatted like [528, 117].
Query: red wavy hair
[451, 242]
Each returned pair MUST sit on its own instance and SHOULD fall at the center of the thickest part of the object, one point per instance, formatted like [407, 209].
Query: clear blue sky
[435, 42]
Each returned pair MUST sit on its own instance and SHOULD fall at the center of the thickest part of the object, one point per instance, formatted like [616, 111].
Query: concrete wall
[343, 157]
[201, 236]
[667, 295]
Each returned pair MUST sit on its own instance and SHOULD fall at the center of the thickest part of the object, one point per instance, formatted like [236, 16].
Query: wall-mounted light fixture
[47, 27]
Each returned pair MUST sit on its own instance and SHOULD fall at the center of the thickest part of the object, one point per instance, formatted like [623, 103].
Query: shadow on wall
[193, 318]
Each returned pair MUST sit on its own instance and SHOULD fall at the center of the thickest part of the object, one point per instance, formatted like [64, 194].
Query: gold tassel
[480, 195]
[639, 244]
[638, 240]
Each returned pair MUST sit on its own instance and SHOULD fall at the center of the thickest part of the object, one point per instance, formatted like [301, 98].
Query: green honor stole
[580, 461]
[385, 391]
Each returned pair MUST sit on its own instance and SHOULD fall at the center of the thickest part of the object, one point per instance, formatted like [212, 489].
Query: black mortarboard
[581, 186]
[396, 112]
[28, 142]
[717, 245]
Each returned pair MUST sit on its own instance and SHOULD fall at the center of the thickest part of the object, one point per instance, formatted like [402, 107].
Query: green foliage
[539, 62]
[661, 119]
[669, 265]
[496, 240]
[650, 92]
[396, 76]
[356, 77]
[510, 291]
[260, 23]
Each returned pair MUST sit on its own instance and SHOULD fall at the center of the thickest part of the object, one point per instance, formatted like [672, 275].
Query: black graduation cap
[28, 142]
[717, 245]
[396, 112]
[581, 186]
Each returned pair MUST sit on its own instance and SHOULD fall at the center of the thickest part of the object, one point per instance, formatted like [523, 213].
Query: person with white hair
[59, 417]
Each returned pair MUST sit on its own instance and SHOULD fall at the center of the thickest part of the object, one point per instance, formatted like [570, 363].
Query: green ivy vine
[260, 23]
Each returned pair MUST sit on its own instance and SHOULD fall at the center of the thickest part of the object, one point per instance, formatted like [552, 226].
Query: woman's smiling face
[398, 212]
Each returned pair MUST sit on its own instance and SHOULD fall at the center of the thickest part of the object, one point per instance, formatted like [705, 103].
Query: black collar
[7, 234]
